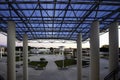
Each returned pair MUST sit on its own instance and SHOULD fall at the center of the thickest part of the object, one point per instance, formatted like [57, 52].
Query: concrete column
[11, 71]
[113, 46]
[25, 57]
[94, 51]
[79, 57]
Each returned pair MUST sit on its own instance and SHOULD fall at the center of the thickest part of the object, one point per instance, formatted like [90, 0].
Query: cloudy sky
[104, 40]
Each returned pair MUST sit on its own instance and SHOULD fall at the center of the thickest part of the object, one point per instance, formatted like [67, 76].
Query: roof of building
[57, 19]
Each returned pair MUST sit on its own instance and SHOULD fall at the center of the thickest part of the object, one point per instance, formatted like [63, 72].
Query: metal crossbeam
[57, 19]
[64, 15]
[115, 3]
[26, 19]
[47, 9]
[81, 21]
[18, 15]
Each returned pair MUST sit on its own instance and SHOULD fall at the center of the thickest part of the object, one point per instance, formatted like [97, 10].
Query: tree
[51, 50]
[104, 48]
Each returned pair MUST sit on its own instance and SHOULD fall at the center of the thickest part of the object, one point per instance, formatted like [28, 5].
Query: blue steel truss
[57, 19]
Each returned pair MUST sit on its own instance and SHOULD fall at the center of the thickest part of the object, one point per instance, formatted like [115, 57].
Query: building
[39, 51]
[2, 51]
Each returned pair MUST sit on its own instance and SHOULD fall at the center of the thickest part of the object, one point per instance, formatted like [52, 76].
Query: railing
[113, 75]
[1, 78]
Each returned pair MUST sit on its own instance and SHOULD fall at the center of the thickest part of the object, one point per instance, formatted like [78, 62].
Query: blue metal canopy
[57, 19]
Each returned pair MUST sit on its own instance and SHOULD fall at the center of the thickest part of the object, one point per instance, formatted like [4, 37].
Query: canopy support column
[113, 46]
[11, 71]
[94, 51]
[25, 57]
[79, 57]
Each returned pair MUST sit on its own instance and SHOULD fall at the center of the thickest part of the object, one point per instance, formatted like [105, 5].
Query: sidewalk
[51, 72]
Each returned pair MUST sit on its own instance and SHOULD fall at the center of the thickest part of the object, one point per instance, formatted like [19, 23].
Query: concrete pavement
[51, 72]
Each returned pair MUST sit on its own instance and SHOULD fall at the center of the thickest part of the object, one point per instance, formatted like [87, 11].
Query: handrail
[112, 74]
[1, 77]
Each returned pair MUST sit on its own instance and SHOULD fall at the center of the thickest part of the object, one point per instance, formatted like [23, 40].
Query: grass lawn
[69, 62]
[39, 64]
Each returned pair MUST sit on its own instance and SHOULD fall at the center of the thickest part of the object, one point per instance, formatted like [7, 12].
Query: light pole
[62, 51]
[0, 53]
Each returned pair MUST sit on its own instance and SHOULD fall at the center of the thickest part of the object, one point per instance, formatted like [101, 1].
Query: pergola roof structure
[57, 19]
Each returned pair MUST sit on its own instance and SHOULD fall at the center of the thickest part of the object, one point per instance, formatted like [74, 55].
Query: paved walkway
[51, 72]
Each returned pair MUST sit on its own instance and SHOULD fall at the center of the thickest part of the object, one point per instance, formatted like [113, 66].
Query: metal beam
[27, 20]
[2, 27]
[42, 17]
[93, 7]
[31, 9]
[57, 21]
[64, 15]
[1, 15]
[115, 3]
[19, 15]
[111, 14]
[54, 7]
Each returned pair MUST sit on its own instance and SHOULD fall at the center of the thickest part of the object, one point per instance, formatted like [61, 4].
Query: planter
[70, 62]
[38, 65]
[67, 62]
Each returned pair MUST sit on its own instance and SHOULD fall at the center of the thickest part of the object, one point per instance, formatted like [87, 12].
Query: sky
[104, 40]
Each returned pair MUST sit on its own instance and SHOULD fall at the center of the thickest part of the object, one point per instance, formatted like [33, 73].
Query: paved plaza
[51, 72]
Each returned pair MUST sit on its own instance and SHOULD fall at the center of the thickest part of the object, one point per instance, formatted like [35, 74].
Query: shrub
[38, 64]
[59, 63]
[42, 59]
[67, 62]
[17, 58]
